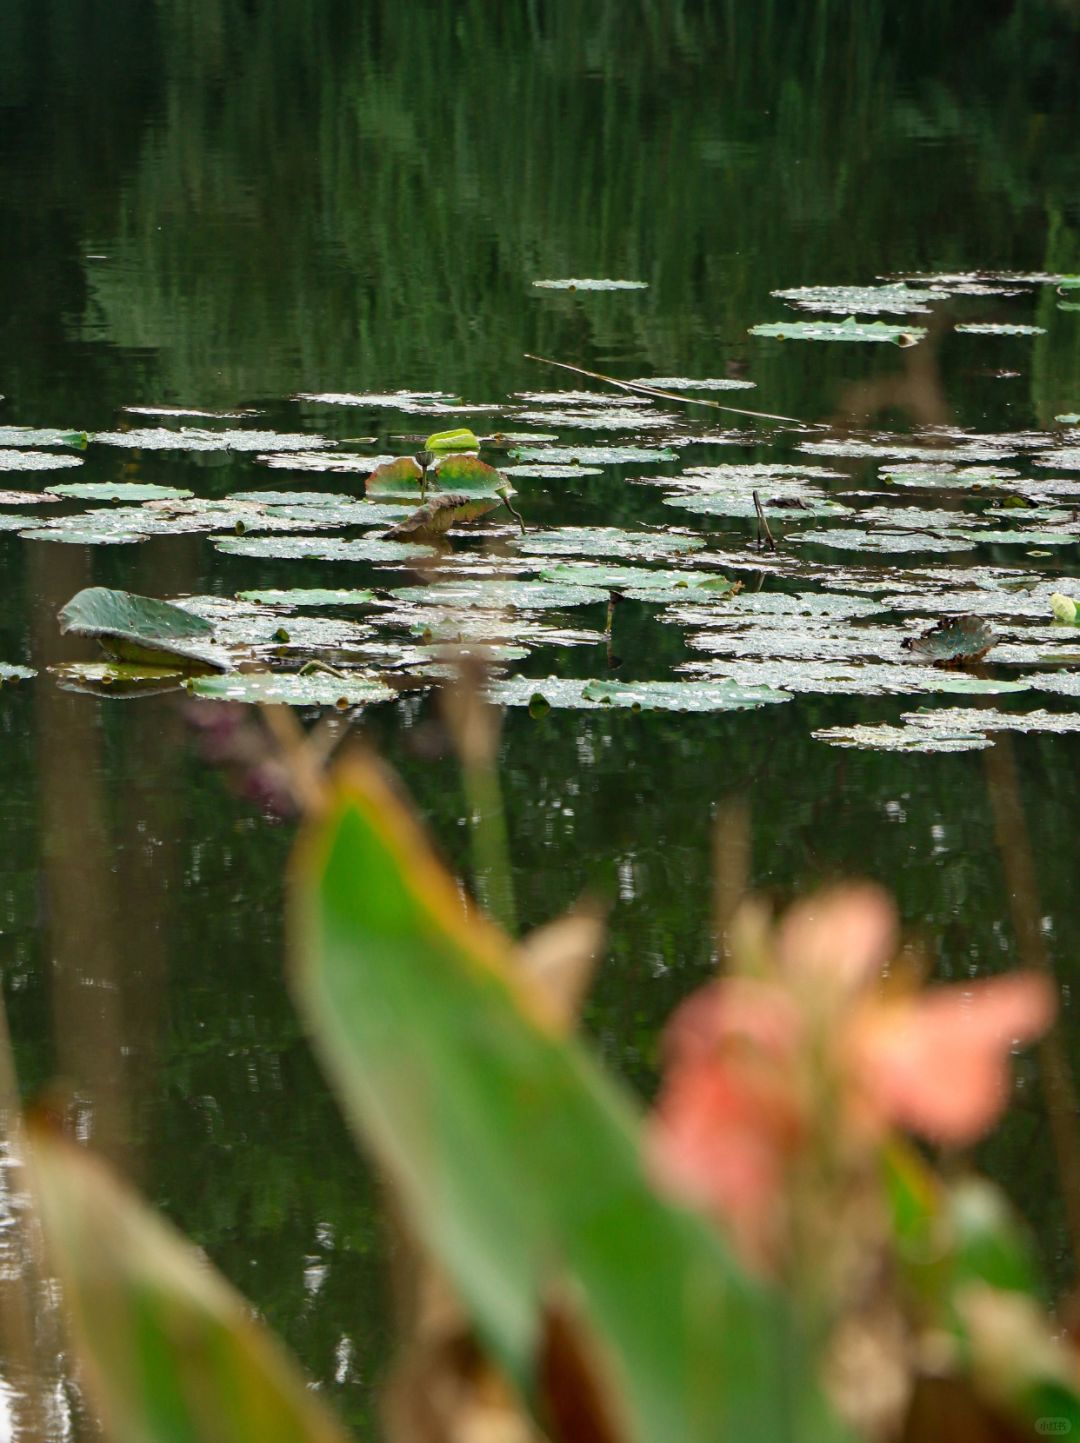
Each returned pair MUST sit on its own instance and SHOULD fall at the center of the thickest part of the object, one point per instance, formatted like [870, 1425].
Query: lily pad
[697, 696]
[143, 629]
[601, 418]
[332, 463]
[593, 455]
[592, 285]
[417, 403]
[116, 678]
[495, 593]
[552, 473]
[609, 541]
[689, 383]
[119, 491]
[26, 498]
[884, 738]
[990, 328]
[894, 299]
[194, 438]
[849, 677]
[37, 461]
[853, 539]
[849, 330]
[292, 688]
[19, 437]
[1022, 538]
[322, 548]
[779, 507]
[1068, 458]
[190, 413]
[9, 672]
[308, 596]
[637, 581]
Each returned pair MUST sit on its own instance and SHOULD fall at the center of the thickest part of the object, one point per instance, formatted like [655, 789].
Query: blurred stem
[1018, 864]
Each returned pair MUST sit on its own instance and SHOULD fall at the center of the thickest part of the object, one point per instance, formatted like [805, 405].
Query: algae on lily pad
[315, 688]
[849, 330]
[143, 629]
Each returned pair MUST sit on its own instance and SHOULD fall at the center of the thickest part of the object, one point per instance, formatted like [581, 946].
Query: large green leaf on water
[518, 1162]
[141, 628]
[170, 1353]
[470, 476]
[849, 330]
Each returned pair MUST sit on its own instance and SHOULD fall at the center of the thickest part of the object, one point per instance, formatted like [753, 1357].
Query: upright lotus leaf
[442, 443]
[1064, 608]
[140, 628]
[471, 476]
[955, 639]
[517, 1160]
[170, 1353]
[442, 512]
[402, 477]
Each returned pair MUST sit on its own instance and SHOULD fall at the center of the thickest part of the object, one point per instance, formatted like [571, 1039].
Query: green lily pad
[849, 330]
[614, 416]
[9, 672]
[292, 688]
[190, 413]
[1021, 538]
[417, 403]
[930, 452]
[308, 596]
[116, 678]
[593, 455]
[121, 524]
[798, 606]
[1068, 458]
[19, 437]
[494, 593]
[194, 438]
[635, 580]
[592, 285]
[119, 491]
[989, 328]
[893, 299]
[779, 507]
[850, 538]
[36, 461]
[143, 629]
[690, 383]
[687, 696]
[608, 541]
[552, 473]
[849, 677]
[321, 548]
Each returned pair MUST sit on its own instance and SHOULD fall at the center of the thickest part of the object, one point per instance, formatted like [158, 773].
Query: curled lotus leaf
[143, 629]
[954, 639]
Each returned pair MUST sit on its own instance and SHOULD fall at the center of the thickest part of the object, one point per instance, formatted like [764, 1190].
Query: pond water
[223, 206]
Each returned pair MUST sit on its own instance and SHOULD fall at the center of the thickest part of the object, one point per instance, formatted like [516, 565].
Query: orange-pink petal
[842, 937]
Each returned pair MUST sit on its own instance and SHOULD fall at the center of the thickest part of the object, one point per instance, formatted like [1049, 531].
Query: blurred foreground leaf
[171, 1354]
[517, 1160]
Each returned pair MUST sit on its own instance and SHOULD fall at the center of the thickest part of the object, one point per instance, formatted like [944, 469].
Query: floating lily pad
[1068, 458]
[11, 673]
[19, 437]
[957, 638]
[890, 448]
[332, 463]
[194, 438]
[884, 738]
[853, 539]
[308, 596]
[778, 508]
[695, 696]
[849, 330]
[119, 491]
[894, 299]
[292, 688]
[189, 412]
[552, 473]
[609, 541]
[593, 455]
[116, 678]
[417, 403]
[689, 383]
[989, 328]
[27, 498]
[601, 418]
[592, 285]
[1021, 538]
[1072, 419]
[37, 461]
[143, 629]
[637, 581]
[321, 548]
[791, 606]
[168, 517]
[849, 677]
[495, 593]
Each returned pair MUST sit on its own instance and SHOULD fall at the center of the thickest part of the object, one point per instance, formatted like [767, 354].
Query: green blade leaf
[516, 1159]
[171, 1353]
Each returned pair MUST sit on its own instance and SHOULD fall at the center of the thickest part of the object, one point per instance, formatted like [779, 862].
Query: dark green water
[224, 202]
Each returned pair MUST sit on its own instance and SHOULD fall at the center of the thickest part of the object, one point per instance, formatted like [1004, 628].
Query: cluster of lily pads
[854, 563]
